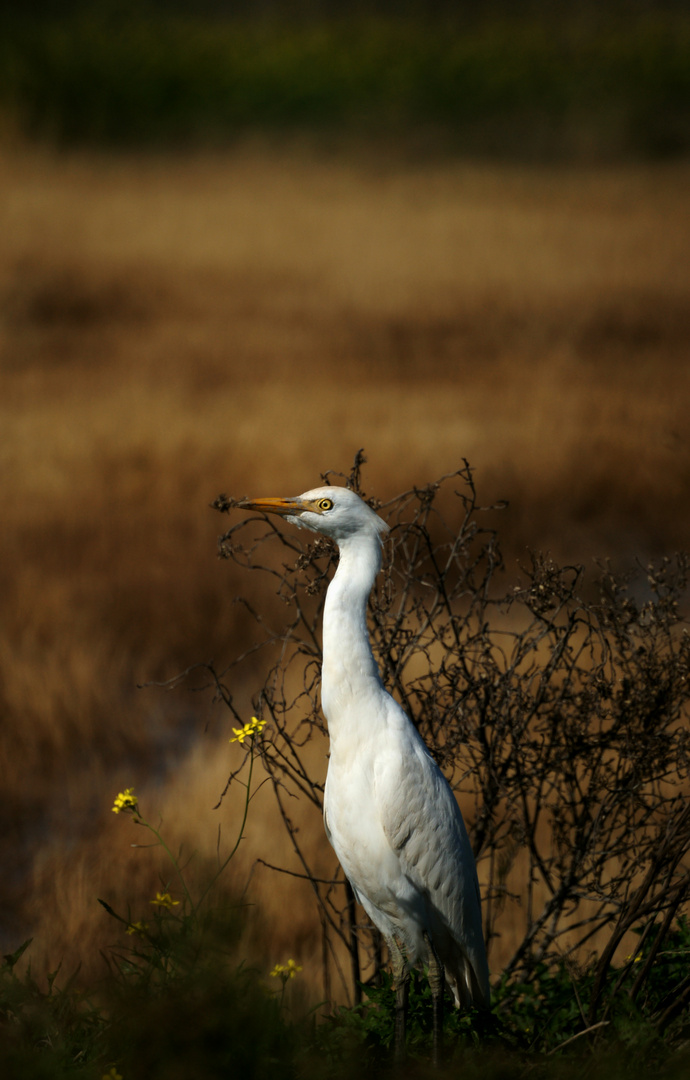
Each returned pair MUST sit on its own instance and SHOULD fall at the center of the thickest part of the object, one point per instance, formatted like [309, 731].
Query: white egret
[389, 812]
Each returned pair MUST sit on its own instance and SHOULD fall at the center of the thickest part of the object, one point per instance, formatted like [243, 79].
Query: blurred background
[239, 241]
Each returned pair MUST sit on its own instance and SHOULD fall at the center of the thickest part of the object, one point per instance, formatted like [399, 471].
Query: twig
[586, 1031]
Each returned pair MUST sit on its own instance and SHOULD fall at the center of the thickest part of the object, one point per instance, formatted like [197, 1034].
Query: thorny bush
[561, 723]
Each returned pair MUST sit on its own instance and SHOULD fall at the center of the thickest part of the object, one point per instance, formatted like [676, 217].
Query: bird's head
[332, 511]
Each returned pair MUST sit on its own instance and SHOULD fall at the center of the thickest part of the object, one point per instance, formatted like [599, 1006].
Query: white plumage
[389, 812]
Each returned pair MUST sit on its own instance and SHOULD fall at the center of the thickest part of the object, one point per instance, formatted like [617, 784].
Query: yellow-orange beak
[274, 506]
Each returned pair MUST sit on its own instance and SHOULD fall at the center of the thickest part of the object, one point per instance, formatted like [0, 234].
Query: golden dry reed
[177, 326]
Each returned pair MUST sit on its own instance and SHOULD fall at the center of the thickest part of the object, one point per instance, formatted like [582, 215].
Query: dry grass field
[172, 327]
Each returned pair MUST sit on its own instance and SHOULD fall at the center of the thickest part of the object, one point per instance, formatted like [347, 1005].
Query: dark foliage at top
[563, 82]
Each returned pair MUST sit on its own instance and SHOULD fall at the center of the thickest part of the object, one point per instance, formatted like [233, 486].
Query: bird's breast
[360, 774]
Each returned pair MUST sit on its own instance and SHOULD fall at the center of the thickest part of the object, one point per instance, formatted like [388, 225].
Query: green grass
[517, 87]
[179, 1003]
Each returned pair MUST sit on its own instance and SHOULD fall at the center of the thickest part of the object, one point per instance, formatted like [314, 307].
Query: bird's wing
[424, 826]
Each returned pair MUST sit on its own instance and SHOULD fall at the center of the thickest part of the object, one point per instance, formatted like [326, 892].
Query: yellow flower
[286, 971]
[112, 1075]
[137, 928]
[127, 800]
[165, 900]
[249, 730]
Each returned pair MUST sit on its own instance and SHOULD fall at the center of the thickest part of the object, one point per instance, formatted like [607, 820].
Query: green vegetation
[520, 86]
[179, 1004]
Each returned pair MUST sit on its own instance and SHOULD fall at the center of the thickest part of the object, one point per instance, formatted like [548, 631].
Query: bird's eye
[325, 504]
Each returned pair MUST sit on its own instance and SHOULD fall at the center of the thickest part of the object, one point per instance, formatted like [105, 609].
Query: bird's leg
[401, 982]
[437, 982]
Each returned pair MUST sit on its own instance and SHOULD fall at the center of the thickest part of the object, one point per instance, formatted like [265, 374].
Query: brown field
[175, 326]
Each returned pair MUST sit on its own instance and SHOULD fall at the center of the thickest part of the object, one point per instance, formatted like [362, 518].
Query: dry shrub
[561, 722]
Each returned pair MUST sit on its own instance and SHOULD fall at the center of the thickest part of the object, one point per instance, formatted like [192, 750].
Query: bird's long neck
[349, 674]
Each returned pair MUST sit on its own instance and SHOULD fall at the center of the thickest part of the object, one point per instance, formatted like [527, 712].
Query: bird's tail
[470, 987]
